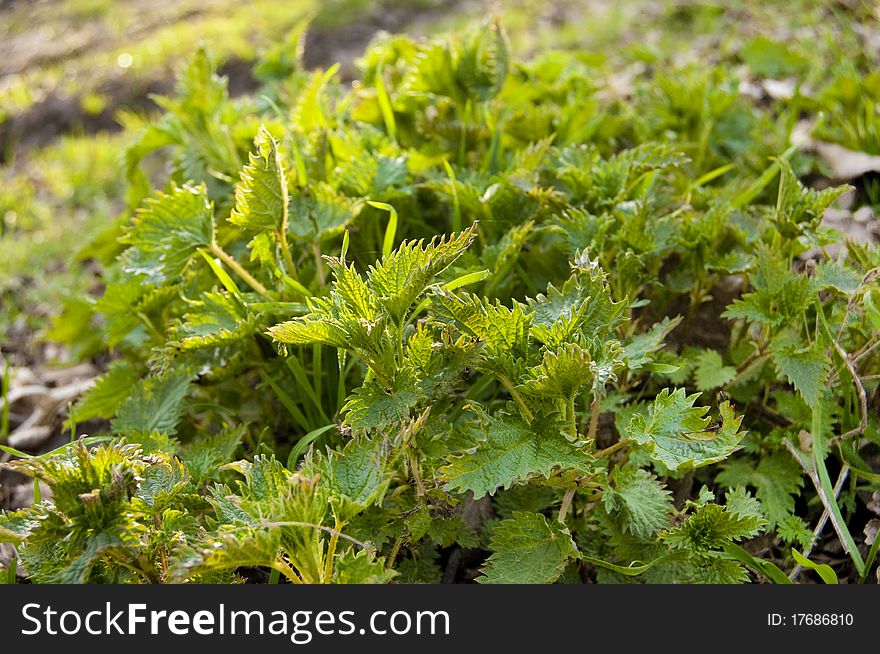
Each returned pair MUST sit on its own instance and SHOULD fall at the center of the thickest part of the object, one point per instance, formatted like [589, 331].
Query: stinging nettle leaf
[805, 368]
[261, 201]
[513, 452]
[528, 549]
[642, 503]
[166, 232]
[677, 434]
[157, 404]
[710, 371]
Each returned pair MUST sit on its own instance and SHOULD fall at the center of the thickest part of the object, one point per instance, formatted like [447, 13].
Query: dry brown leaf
[844, 163]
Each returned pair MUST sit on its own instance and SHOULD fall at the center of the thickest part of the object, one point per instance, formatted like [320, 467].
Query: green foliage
[466, 281]
[528, 548]
[678, 435]
[513, 452]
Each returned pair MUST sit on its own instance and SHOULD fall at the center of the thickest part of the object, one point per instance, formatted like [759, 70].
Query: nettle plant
[465, 320]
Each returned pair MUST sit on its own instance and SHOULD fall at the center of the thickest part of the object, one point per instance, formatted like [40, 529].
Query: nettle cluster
[465, 318]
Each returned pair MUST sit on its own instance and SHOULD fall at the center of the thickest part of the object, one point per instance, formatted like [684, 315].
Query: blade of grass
[288, 402]
[869, 561]
[299, 374]
[303, 444]
[391, 229]
[766, 568]
[826, 572]
[755, 188]
[826, 490]
[385, 103]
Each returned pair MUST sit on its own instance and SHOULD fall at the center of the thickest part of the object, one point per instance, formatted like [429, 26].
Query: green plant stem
[331, 552]
[285, 251]
[395, 549]
[611, 449]
[595, 408]
[237, 268]
[517, 397]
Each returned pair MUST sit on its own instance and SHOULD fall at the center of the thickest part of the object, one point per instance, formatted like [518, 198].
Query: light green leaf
[777, 480]
[373, 406]
[825, 571]
[166, 232]
[261, 201]
[361, 567]
[709, 528]
[110, 390]
[677, 434]
[157, 404]
[638, 351]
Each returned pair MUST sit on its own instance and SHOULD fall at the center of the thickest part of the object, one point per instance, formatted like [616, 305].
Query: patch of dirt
[61, 113]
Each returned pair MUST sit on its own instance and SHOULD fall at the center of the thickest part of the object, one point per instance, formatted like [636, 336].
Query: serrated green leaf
[513, 452]
[676, 433]
[372, 406]
[357, 472]
[403, 275]
[261, 201]
[777, 480]
[157, 404]
[166, 232]
[638, 351]
[832, 274]
[528, 549]
[562, 372]
[805, 368]
[110, 390]
[710, 528]
[642, 503]
[361, 567]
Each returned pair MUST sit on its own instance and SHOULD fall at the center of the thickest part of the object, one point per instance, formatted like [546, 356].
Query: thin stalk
[517, 397]
[285, 216]
[608, 451]
[595, 408]
[331, 552]
[395, 550]
[571, 415]
[285, 250]
[566, 504]
[237, 268]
